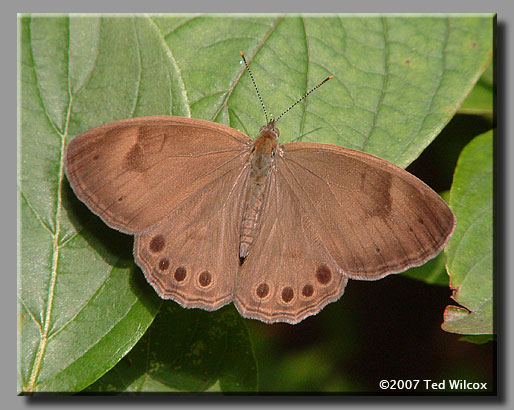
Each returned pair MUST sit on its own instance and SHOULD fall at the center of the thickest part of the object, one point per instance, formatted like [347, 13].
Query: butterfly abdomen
[251, 219]
[261, 161]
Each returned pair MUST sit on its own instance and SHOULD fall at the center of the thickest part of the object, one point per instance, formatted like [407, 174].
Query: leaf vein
[384, 84]
[174, 64]
[55, 260]
[249, 59]
[432, 97]
[484, 212]
[38, 216]
[139, 68]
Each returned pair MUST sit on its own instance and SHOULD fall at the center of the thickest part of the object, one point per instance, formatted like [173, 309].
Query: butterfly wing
[374, 217]
[331, 214]
[288, 274]
[176, 184]
[133, 173]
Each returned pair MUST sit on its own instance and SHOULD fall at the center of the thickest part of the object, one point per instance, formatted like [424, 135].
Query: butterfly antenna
[255, 85]
[305, 96]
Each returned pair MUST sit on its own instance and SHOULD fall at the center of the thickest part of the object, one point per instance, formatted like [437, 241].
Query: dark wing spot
[120, 199]
[205, 278]
[287, 294]
[164, 264]
[180, 274]
[157, 243]
[421, 221]
[308, 291]
[262, 290]
[137, 158]
[376, 189]
[323, 274]
[134, 160]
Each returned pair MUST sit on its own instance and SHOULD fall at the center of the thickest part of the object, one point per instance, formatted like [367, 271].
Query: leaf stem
[55, 250]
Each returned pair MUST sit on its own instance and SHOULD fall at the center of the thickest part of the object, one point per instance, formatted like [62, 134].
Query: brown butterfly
[276, 229]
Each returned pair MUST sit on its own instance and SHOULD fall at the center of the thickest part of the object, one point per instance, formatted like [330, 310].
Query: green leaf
[477, 339]
[470, 251]
[187, 351]
[397, 82]
[480, 100]
[434, 271]
[89, 329]
[82, 306]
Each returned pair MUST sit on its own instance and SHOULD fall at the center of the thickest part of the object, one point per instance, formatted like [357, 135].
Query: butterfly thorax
[261, 160]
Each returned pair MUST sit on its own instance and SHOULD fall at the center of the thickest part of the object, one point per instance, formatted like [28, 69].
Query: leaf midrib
[55, 236]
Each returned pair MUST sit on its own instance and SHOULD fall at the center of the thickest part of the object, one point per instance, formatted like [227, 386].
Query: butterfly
[277, 229]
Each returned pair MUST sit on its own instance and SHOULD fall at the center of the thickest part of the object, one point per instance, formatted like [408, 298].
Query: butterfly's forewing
[176, 183]
[374, 218]
[288, 274]
[133, 173]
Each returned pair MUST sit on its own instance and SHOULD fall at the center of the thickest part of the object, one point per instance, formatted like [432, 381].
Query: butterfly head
[269, 131]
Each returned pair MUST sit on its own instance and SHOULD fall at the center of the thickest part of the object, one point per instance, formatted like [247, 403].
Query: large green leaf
[480, 99]
[187, 351]
[397, 82]
[81, 307]
[470, 251]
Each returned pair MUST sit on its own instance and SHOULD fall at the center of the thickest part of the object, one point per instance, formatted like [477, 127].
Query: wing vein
[315, 211]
